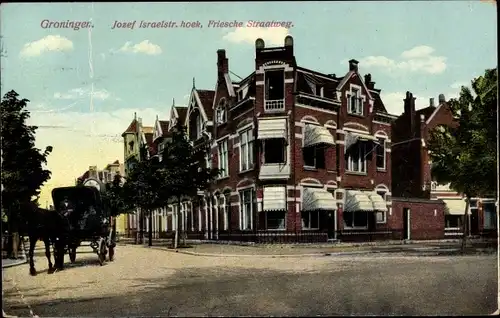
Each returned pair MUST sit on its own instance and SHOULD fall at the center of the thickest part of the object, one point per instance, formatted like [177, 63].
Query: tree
[145, 188]
[185, 170]
[465, 155]
[23, 172]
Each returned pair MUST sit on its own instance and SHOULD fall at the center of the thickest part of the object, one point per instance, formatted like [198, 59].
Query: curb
[265, 255]
[22, 261]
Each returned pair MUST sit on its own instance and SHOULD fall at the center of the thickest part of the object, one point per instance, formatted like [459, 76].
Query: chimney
[431, 102]
[368, 81]
[353, 65]
[409, 102]
[289, 44]
[442, 99]
[222, 62]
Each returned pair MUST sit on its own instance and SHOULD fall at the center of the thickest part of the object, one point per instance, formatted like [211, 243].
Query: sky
[85, 85]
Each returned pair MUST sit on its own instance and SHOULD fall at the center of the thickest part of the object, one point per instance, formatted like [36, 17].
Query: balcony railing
[274, 105]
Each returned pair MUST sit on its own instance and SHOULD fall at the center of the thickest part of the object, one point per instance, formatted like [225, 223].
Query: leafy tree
[465, 155]
[23, 172]
[185, 170]
[145, 188]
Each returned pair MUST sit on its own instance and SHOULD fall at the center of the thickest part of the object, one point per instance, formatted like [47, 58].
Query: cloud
[419, 59]
[79, 93]
[273, 36]
[458, 85]
[145, 47]
[46, 44]
[83, 139]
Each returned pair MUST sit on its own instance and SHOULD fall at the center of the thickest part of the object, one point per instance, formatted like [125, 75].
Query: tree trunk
[150, 228]
[465, 233]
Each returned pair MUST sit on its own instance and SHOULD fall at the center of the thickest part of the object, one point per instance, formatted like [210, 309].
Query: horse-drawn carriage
[87, 218]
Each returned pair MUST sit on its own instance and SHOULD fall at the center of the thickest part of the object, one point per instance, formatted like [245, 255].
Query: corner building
[305, 156]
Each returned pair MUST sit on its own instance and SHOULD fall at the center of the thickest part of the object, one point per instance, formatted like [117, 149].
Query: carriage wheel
[102, 252]
[72, 254]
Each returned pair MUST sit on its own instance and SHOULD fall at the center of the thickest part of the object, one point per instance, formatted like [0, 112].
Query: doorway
[406, 224]
[474, 222]
[331, 224]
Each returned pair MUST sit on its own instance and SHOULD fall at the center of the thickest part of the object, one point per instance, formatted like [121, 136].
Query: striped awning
[352, 137]
[318, 199]
[272, 128]
[315, 135]
[378, 202]
[274, 198]
[357, 201]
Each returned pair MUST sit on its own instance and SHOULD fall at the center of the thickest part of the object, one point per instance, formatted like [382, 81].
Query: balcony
[272, 106]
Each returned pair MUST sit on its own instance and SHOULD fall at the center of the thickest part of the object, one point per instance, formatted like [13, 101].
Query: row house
[99, 178]
[412, 177]
[300, 151]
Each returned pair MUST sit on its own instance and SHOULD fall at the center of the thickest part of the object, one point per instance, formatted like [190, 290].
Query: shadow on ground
[350, 289]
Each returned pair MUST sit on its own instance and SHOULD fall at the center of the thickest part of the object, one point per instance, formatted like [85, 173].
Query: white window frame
[243, 211]
[362, 164]
[308, 226]
[355, 92]
[382, 193]
[274, 102]
[222, 152]
[382, 144]
[221, 112]
[246, 162]
[199, 126]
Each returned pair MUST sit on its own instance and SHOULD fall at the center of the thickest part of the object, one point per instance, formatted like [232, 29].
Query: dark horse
[50, 227]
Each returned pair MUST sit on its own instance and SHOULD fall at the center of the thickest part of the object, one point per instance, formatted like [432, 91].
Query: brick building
[412, 178]
[303, 153]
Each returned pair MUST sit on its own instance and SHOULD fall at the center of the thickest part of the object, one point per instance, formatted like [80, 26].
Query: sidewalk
[336, 249]
[7, 262]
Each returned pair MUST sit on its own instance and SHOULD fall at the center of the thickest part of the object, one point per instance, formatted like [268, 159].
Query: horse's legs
[33, 240]
[46, 240]
[59, 254]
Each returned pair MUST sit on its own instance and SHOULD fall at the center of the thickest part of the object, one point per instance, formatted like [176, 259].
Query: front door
[406, 224]
[474, 222]
[331, 224]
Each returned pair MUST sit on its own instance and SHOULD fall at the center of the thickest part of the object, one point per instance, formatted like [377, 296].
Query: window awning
[352, 137]
[357, 201]
[378, 202]
[274, 198]
[318, 199]
[455, 207]
[272, 128]
[315, 135]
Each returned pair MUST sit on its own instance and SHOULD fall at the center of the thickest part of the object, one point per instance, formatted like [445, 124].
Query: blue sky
[427, 47]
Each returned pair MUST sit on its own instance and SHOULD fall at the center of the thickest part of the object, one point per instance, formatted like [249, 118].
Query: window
[275, 220]
[208, 160]
[314, 157]
[310, 220]
[356, 157]
[199, 126]
[453, 221]
[381, 215]
[320, 90]
[275, 85]
[221, 115]
[246, 209]
[246, 150]
[274, 150]
[356, 220]
[355, 102]
[490, 220]
[240, 95]
[161, 147]
[380, 149]
[131, 146]
[223, 160]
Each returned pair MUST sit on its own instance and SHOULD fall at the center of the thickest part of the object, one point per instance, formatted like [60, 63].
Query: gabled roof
[132, 128]
[348, 76]
[207, 99]
[181, 112]
[164, 126]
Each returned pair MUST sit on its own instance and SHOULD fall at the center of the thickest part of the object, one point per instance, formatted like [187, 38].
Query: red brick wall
[423, 223]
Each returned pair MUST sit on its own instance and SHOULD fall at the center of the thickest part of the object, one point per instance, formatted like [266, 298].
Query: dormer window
[355, 104]
[320, 90]
[221, 113]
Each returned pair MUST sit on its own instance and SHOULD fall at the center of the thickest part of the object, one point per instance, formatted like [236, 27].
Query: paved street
[149, 282]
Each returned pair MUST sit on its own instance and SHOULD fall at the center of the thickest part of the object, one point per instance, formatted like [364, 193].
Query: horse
[50, 227]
